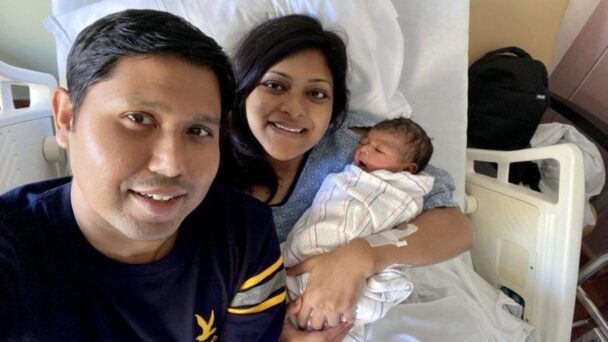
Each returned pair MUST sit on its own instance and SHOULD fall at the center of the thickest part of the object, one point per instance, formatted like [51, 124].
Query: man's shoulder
[239, 213]
[27, 214]
[27, 237]
[27, 198]
[232, 200]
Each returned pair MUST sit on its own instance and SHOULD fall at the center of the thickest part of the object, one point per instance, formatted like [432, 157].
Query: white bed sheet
[451, 302]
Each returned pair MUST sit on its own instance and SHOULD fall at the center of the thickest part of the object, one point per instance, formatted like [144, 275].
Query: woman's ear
[63, 113]
[411, 168]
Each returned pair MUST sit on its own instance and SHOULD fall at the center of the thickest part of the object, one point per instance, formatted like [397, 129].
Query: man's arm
[257, 310]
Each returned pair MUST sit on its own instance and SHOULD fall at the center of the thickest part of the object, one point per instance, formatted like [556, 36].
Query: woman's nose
[293, 105]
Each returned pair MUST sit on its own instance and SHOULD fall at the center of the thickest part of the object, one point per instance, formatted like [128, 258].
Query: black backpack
[508, 95]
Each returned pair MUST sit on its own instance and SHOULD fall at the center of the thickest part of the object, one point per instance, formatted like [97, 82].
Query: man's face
[144, 146]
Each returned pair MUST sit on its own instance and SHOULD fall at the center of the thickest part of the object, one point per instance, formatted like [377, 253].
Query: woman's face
[290, 108]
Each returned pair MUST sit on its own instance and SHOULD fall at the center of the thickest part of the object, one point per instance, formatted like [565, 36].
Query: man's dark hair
[420, 145]
[267, 44]
[99, 46]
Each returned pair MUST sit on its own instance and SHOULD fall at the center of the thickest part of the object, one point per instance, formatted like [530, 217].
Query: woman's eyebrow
[280, 73]
[318, 80]
[312, 80]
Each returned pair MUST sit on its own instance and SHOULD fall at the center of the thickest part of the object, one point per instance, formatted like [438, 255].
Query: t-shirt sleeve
[257, 310]
[442, 193]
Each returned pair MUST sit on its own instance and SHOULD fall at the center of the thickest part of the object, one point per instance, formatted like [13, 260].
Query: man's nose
[168, 156]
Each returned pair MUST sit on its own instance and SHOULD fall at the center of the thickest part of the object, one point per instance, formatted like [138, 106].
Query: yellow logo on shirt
[207, 327]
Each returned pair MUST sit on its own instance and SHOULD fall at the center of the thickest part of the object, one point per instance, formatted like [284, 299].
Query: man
[139, 244]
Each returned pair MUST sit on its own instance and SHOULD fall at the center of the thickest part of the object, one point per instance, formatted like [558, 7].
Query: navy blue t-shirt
[223, 280]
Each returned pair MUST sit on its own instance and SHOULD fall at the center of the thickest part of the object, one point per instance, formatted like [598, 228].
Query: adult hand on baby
[334, 285]
[291, 333]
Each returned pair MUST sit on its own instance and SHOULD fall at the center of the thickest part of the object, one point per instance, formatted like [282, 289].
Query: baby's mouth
[361, 165]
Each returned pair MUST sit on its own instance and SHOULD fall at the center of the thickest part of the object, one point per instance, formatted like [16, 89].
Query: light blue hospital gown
[331, 155]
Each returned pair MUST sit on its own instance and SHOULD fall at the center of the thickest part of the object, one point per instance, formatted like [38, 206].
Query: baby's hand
[334, 285]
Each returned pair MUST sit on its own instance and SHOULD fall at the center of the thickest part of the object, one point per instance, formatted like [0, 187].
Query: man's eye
[140, 118]
[199, 131]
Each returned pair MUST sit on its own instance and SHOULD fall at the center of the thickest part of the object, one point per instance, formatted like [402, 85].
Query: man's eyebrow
[203, 117]
[147, 104]
[208, 118]
[313, 80]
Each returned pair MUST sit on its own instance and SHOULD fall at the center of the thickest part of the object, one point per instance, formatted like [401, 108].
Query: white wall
[530, 24]
[24, 41]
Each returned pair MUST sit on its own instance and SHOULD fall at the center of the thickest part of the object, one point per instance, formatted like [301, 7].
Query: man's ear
[63, 113]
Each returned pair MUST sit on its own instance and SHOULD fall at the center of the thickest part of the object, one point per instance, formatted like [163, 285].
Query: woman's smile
[287, 127]
[290, 109]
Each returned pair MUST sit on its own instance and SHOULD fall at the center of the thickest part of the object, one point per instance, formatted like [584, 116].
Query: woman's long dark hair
[244, 161]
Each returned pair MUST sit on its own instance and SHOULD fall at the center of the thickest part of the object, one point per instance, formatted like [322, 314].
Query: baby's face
[381, 150]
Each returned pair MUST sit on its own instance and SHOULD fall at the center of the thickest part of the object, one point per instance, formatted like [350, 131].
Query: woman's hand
[291, 333]
[334, 285]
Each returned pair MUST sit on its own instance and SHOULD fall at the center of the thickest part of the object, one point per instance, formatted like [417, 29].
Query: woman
[287, 136]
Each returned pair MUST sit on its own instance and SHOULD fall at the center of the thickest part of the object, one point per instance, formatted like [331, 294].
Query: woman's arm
[443, 233]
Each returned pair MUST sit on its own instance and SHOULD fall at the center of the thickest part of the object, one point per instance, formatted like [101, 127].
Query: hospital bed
[407, 57]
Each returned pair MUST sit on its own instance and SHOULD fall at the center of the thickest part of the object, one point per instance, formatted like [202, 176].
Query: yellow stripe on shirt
[262, 275]
[262, 306]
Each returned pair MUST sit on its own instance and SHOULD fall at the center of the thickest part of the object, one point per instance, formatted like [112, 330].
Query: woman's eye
[318, 94]
[273, 85]
[140, 118]
[199, 131]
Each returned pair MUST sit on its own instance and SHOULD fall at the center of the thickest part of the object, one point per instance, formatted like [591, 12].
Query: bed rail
[28, 151]
[528, 243]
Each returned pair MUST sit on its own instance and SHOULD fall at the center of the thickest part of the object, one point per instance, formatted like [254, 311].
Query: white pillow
[374, 38]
